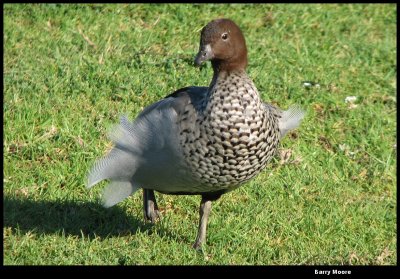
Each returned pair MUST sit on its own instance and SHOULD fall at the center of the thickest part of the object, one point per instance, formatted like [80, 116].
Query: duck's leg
[150, 207]
[205, 209]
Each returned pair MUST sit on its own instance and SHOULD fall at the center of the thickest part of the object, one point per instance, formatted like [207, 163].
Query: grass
[70, 71]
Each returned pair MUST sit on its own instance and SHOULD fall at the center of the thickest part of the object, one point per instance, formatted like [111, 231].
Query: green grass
[70, 71]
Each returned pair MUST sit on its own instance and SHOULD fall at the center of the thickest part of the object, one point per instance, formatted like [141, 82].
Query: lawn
[329, 196]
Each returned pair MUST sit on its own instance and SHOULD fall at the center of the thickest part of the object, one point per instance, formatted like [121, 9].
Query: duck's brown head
[223, 43]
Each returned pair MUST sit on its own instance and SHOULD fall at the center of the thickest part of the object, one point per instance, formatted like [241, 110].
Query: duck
[198, 140]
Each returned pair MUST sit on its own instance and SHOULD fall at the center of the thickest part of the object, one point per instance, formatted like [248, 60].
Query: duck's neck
[222, 77]
[237, 63]
[232, 85]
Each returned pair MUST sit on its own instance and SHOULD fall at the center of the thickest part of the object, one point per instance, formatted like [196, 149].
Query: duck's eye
[224, 36]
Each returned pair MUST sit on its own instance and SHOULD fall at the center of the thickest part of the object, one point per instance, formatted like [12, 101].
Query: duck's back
[147, 151]
[193, 142]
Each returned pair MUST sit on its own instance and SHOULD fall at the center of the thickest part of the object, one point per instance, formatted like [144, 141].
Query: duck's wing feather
[146, 152]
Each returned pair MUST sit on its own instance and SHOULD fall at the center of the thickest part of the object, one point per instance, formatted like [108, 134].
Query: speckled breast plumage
[231, 137]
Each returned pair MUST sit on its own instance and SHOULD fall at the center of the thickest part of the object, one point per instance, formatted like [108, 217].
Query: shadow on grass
[74, 218]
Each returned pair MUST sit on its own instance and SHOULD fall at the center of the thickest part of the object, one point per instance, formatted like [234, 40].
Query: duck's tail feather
[290, 119]
[117, 191]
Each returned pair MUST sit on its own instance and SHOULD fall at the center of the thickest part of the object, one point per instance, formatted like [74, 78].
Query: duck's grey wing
[147, 152]
[287, 119]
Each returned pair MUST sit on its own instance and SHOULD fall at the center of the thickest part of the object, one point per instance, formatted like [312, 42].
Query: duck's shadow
[74, 218]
